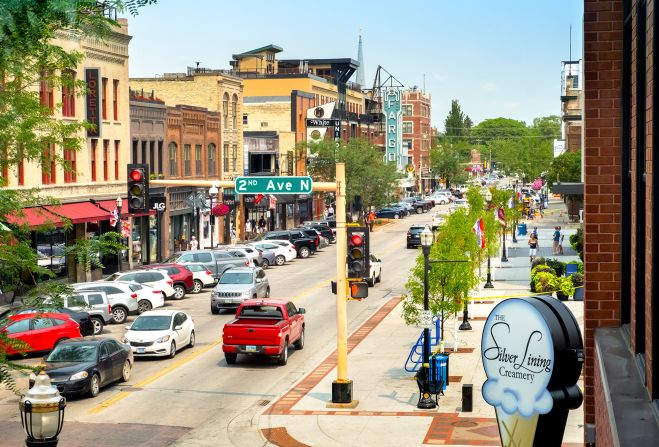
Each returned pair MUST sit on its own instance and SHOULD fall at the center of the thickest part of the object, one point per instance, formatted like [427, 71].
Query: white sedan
[201, 275]
[282, 253]
[160, 333]
[286, 244]
[376, 271]
[148, 297]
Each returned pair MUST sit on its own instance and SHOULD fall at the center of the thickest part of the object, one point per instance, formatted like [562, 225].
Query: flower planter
[578, 294]
[561, 296]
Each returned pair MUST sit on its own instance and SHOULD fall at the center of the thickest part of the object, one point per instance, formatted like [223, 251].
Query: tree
[454, 124]
[88, 252]
[549, 127]
[565, 168]
[498, 129]
[444, 162]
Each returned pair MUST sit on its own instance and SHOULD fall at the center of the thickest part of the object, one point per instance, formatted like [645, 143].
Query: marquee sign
[93, 101]
[391, 102]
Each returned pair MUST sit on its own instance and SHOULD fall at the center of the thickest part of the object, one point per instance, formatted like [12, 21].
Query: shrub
[576, 240]
[538, 261]
[538, 269]
[565, 286]
[577, 279]
[558, 266]
[545, 282]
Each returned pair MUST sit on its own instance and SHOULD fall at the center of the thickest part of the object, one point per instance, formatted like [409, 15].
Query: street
[197, 387]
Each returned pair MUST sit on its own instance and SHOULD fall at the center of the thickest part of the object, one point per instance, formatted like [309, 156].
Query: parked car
[437, 219]
[406, 207]
[40, 331]
[420, 206]
[160, 333]
[81, 317]
[313, 234]
[414, 235]
[83, 366]
[217, 261]
[282, 253]
[157, 279]
[95, 303]
[304, 245]
[324, 230]
[202, 276]
[376, 271]
[255, 258]
[264, 327]
[122, 296]
[182, 277]
[237, 285]
[458, 204]
[389, 213]
[442, 198]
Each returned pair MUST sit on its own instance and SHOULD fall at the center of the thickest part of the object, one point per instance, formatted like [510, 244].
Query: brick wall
[603, 435]
[603, 121]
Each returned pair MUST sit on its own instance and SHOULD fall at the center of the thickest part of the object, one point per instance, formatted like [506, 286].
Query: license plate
[140, 350]
[250, 348]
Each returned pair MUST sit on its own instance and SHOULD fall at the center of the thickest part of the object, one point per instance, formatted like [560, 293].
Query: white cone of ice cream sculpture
[532, 352]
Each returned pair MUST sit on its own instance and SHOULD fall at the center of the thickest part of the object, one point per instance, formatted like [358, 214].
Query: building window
[93, 158]
[264, 124]
[70, 165]
[245, 119]
[234, 110]
[49, 166]
[117, 144]
[135, 146]
[173, 159]
[106, 156]
[234, 157]
[104, 99]
[187, 154]
[68, 96]
[225, 110]
[46, 91]
[225, 157]
[143, 159]
[152, 156]
[211, 159]
[407, 109]
[159, 157]
[115, 99]
[197, 159]
[407, 127]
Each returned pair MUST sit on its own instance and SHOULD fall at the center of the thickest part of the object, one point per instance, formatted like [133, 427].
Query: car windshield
[172, 259]
[236, 278]
[151, 323]
[73, 352]
[113, 277]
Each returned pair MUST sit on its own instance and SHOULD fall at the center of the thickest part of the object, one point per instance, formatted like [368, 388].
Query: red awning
[35, 217]
[80, 212]
[111, 205]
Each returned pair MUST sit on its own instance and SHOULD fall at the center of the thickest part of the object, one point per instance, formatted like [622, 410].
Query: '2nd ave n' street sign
[273, 185]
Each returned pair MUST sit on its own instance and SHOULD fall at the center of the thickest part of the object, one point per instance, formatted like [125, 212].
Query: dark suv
[414, 235]
[324, 230]
[304, 244]
[182, 277]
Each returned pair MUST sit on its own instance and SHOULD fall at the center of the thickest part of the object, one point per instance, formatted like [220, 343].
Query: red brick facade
[416, 129]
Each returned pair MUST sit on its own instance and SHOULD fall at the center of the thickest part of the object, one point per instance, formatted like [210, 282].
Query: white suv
[157, 279]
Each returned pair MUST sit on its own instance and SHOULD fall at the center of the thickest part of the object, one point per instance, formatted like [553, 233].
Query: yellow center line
[180, 362]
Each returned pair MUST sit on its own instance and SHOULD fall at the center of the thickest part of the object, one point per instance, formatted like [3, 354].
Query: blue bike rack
[415, 359]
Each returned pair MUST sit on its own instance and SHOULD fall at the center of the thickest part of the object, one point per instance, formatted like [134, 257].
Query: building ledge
[568, 97]
[631, 416]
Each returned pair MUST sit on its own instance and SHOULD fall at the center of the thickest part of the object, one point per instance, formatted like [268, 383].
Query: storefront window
[50, 251]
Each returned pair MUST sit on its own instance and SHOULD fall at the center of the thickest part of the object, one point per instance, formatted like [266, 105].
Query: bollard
[467, 397]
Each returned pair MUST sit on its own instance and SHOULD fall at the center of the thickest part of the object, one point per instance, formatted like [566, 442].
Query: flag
[258, 198]
[479, 229]
[114, 218]
[511, 203]
[273, 202]
[501, 216]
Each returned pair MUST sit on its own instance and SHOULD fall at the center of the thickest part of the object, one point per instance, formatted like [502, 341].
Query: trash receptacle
[439, 369]
[521, 229]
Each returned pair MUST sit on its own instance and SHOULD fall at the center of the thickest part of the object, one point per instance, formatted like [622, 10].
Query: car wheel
[303, 252]
[125, 372]
[192, 340]
[267, 292]
[230, 358]
[119, 314]
[396, 216]
[299, 343]
[198, 285]
[379, 278]
[179, 292]
[144, 305]
[215, 310]
[370, 282]
[283, 357]
[98, 325]
[172, 350]
[419, 210]
[280, 260]
[94, 385]
[265, 264]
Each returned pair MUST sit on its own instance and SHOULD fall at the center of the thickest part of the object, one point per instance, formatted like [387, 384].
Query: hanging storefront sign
[391, 103]
[532, 352]
[319, 119]
[93, 101]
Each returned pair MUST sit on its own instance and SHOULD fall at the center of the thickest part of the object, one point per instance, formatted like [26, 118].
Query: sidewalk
[386, 413]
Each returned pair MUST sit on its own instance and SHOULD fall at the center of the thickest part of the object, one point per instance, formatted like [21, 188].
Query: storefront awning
[35, 217]
[80, 212]
[568, 188]
[111, 205]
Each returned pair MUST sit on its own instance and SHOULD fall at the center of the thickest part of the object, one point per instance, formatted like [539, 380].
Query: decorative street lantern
[42, 413]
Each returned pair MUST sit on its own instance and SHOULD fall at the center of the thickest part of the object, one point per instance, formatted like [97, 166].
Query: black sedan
[389, 213]
[82, 318]
[83, 366]
[414, 235]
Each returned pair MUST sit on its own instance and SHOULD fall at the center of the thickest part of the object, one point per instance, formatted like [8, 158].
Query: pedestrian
[330, 211]
[194, 244]
[556, 238]
[254, 227]
[533, 247]
[325, 214]
[262, 224]
[560, 243]
[371, 220]
[234, 237]
[248, 229]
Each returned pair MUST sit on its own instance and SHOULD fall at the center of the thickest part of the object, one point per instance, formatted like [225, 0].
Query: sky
[498, 58]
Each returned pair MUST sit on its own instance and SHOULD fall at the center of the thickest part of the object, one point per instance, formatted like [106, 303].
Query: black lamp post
[426, 402]
[42, 413]
[504, 258]
[515, 207]
[212, 192]
[120, 225]
[488, 283]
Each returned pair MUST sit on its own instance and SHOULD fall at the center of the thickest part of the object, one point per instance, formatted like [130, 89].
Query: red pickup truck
[264, 327]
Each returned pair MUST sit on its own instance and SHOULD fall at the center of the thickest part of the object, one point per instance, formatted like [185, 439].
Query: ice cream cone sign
[532, 353]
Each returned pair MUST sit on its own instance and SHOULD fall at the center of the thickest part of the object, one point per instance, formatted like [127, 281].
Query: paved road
[198, 388]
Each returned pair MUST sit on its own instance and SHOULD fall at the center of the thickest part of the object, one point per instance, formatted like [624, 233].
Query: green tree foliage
[498, 129]
[445, 162]
[457, 125]
[565, 168]
[367, 175]
[527, 157]
[549, 127]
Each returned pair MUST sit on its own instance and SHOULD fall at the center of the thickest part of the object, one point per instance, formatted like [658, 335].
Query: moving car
[201, 275]
[160, 333]
[40, 331]
[437, 219]
[458, 204]
[83, 366]
[376, 271]
[414, 235]
[264, 327]
[238, 285]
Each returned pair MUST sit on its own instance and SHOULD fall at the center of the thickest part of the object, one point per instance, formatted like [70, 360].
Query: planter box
[578, 294]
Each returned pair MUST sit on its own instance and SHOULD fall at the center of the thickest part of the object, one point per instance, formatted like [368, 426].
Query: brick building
[571, 104]
[621, 235]
[417, 135]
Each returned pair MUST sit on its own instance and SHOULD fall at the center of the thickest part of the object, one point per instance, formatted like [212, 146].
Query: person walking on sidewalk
[557, 240]
[560, 243]
[533, 247]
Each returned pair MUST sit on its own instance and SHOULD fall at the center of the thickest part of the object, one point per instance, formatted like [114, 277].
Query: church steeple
[360, 59]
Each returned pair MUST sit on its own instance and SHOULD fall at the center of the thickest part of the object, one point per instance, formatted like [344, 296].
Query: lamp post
[120, 224]
[426, 401]
[465, 326]
[42, 413]
[504, 258]
[515, 207]
[212, 192]
[488, 283]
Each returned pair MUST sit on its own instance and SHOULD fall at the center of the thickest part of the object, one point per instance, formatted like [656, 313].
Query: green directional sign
[273, 185]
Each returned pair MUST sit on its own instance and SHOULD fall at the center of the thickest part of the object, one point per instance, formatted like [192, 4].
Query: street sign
[273, 185]
[315, 122]
[158, 203]
[426, 319]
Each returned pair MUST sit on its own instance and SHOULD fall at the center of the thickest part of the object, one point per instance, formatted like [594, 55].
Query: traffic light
[138, 188]
[358, 289]
[358, 266]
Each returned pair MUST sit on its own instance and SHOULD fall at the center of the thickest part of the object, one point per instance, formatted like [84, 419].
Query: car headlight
[162, 339]
[123, 340]
[246, 293]
[33, 376]
[80, 375]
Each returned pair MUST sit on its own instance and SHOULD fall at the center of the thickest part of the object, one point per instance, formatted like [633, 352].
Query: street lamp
[426, 401]
[488, 283]
[120, 225]
[212, 192]
[42, 413]
[515, 205]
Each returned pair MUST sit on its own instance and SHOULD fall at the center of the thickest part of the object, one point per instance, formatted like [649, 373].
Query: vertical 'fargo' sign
[93, 104]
